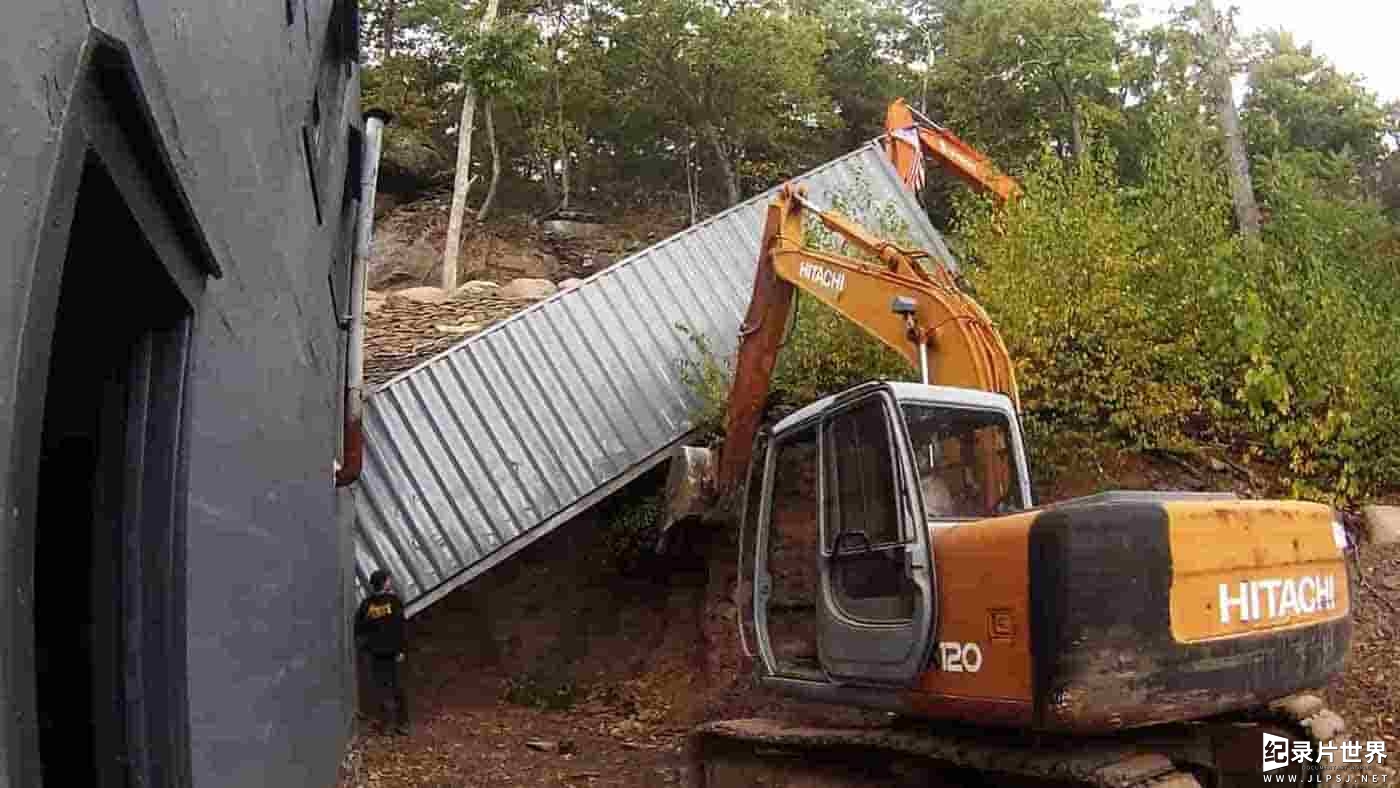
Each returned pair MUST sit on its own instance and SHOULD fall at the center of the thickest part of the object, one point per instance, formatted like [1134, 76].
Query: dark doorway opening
[109, 564]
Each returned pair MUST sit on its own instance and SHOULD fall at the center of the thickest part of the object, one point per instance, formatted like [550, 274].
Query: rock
[1325, 725]
[1382, 524]
[460, 328]
[400, 256]
[563, 228]
[1217, 465]
[420, 295]
[1299, 707]
[570, 283]
[475, 287]
[533, 289]
[542, 745]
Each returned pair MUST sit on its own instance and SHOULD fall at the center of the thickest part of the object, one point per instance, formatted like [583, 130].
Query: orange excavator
[892, 559]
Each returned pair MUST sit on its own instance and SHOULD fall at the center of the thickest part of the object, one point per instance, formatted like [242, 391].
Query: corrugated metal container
[479, 451]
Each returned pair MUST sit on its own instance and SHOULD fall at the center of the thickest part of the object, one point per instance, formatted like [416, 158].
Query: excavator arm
[907, 139]
[920, 314]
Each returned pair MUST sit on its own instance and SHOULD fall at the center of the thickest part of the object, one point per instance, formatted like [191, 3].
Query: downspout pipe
[347, 471]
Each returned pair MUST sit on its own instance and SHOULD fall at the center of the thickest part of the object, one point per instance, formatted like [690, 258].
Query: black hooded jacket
[379, 624]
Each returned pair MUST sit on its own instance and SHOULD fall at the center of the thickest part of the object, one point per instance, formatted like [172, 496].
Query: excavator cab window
[964, 461]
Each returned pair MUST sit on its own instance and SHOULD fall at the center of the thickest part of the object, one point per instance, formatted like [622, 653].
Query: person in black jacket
[379, 631]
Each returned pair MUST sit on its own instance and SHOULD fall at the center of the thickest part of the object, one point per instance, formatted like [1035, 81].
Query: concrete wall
[229, 86]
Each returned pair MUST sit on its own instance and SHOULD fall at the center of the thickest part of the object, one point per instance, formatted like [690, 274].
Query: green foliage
[1298, 100]
[1017, 71]
[708, 377]
[501, 60]
[542, 689]
[1136, 316]
[633, 525]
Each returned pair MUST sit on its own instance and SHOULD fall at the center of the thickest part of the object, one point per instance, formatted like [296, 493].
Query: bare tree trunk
[551, 186]
[495, 164]
[563, 140]
[726, 167]
[1076, 130]
[690, 180]
[389, 26]
[1076, 119]
[1217, 44]
[462, 181]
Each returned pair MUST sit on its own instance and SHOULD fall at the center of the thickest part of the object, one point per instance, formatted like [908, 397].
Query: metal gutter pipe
[347, 471]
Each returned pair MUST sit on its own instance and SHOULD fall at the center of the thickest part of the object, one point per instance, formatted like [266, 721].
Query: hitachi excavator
[892, 559]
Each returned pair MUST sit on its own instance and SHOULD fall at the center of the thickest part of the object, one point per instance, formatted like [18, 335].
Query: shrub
[1139, 316]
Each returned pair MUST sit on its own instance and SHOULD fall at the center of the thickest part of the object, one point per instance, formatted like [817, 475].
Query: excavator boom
[907, 139]
[920, 314]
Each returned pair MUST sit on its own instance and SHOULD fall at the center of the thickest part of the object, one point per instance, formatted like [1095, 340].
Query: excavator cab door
[876, 596]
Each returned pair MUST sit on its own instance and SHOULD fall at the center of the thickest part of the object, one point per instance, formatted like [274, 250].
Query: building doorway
[109, 555]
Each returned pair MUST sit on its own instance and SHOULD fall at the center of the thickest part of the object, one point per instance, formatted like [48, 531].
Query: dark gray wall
[229, 86]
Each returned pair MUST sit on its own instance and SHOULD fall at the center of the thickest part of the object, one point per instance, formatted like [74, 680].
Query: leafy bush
[633, 526]
[1137, 315]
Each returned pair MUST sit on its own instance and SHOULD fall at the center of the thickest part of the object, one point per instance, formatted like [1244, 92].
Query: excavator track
[1219, 752]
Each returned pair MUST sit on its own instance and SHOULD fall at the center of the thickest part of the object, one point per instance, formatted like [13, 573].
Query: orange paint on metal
[983, 595]
[960, 158]
[1253, 566]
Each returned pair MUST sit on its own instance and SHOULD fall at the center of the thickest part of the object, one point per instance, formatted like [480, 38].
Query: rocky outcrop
[1382, 524]
[533, 289]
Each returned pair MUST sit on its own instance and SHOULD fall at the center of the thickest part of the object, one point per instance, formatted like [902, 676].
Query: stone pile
[405, 328]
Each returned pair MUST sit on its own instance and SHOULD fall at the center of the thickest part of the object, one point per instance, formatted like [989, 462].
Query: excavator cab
[840, 503]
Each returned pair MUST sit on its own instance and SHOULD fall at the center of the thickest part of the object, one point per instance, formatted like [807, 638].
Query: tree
[1014, 69]
[419, 81]
[1216, 33]
[741, 76]
[1298, 99]
[462, 181]
[863, 66]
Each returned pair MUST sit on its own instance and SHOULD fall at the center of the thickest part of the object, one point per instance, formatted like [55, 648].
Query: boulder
[570, 283]
[533, 289]
[564, 228]
[475, 287]
[420, 295]
[1325, 725]
[1382, 524]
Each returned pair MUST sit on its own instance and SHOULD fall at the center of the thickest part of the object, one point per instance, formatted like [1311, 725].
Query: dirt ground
[1368, 694]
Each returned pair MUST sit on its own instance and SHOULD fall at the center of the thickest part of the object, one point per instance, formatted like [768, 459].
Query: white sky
[1359, 36]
